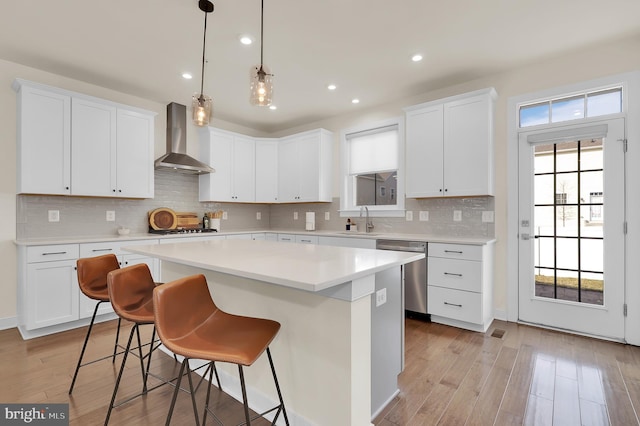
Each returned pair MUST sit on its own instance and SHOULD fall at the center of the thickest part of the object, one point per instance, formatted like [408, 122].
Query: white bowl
[123, 231]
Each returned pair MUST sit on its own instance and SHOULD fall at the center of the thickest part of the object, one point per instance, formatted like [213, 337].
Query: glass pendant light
[260, 78]
[202, 104]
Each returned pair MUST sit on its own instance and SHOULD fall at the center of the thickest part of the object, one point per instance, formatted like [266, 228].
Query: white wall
[602, 60]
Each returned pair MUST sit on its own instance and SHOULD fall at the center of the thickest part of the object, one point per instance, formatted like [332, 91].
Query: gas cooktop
[180, 231]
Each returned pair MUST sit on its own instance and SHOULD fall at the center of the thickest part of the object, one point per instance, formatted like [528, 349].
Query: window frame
[348, 207]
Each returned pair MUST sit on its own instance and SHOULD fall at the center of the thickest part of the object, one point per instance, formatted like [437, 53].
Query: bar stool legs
[84, 347]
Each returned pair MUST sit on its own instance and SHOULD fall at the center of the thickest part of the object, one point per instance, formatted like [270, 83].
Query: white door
[571, 226]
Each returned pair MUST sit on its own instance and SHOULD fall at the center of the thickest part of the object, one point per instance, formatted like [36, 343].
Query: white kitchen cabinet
[449, 146]
[233, 157]
[266, 170]
[73, 144]
[259, 236]
[44, 141]
[305, 167]
[287, 238]
[49, 297]
[49, 293]
[460, 285]
[307, 239]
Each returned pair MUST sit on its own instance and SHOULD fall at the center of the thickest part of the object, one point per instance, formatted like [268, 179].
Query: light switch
[258, 215]
[408, 216]
[381, 297]
[225, 216]
[327, 216]
[424, 216]
[487, 216]
[111, 216]
[457, 215]
[295, 215]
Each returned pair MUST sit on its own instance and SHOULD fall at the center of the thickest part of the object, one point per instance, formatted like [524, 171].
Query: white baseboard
[9, 322]
[500, 314]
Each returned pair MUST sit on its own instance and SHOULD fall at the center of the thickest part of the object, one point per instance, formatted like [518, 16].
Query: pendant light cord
[204, 42]
[261, 30]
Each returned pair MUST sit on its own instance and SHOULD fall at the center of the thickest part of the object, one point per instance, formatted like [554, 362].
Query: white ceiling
[142, 47]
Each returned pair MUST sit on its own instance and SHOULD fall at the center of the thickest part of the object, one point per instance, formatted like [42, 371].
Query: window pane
[543, 220]
[605, 102]
[543, 161]
[592, 289]
[567, 109]
[545, 253]
[591, 154]
[592, 254]
[376, 189]
[567, 254]
[543, 189]
[567, 184]
[567, 157]
[545, 283]
[532, 115]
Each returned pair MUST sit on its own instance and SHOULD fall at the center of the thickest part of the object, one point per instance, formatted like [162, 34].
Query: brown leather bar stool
[131, 294]
[190, 324]
[92, 280]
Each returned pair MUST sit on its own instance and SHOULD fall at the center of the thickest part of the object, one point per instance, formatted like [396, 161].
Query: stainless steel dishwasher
[415, 274]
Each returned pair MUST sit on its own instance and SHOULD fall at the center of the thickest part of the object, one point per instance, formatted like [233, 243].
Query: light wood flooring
[527, 376]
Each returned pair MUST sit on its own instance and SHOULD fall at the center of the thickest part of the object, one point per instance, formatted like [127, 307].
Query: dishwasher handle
[415, 248]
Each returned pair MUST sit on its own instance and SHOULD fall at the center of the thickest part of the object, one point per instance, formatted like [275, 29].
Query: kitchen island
[322, 297]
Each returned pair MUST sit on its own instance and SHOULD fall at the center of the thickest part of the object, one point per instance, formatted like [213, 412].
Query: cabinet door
[243, 181]
[134, 150]
[288, 184]
[44, 142]
[93, 153]
[424, 150]
[309, 167]
[52, 293]
[216, 149]
[468, 148]
[266, 171]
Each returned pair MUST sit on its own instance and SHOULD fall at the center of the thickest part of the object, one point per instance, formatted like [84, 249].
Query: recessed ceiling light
[416, 58]
[355, 101]
[187, 76]
[246, 40]
[273, 107]
[332, 87]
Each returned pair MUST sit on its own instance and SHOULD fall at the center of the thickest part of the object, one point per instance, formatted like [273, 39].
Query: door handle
[525, 237]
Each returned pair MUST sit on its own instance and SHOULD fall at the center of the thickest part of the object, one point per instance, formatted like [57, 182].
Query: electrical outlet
[225, 216]
[111, 216]
[258, 215]
[381, 297]
[457, 215]
[295, 215]
[327, 216]
[487, 216]
[424, 216]
[54, 215]
[408, 215]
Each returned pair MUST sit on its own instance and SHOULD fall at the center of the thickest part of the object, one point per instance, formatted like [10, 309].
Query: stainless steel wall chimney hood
[176, 157]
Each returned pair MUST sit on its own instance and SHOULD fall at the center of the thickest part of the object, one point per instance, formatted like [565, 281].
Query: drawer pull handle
[453, 251]
[97, 250]
[451, 273]
[453, 304]
[54, 252]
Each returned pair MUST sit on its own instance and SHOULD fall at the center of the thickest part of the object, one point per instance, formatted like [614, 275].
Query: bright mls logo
[37, 414]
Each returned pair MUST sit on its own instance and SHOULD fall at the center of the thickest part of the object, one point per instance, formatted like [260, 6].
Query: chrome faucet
[368, 225]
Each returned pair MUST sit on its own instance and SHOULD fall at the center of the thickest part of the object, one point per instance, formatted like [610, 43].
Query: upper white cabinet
[304, 164]
[233, 157]
[72, 144]
[449, 146]
[266, 170]
[44, 141]
[293, 169]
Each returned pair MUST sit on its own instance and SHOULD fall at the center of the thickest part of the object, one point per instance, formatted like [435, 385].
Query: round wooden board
[163, 218]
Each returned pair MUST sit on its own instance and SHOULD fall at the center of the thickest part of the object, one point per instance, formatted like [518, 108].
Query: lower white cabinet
[460, 283]
[49, 298]
[307, 239]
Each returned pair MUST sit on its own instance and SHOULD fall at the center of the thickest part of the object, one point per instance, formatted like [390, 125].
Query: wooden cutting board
[188, 220]
[163, 218]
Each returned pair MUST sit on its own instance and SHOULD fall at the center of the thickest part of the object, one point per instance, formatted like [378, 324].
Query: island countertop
[301, 266]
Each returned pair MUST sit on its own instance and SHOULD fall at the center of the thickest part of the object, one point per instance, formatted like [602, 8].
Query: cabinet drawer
[288, 238]
[455, 251]
[455, 304]
[455, 273]
[113, 247]
[307, 239]
[51, 253]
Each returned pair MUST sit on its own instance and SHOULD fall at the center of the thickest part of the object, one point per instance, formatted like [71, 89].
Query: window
[592, 104]
[371, 169]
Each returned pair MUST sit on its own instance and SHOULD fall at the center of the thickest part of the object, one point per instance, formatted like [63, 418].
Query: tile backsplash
[86, 216]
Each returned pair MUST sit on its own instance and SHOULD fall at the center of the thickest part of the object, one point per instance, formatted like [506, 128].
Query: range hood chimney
[176, 157]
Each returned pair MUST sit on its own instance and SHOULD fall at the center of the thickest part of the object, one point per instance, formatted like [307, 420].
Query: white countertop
[301, 266]
[341, 234]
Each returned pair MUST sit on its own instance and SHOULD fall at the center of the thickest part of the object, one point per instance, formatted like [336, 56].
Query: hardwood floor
[528, 376]
[524, 376]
